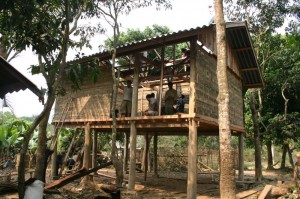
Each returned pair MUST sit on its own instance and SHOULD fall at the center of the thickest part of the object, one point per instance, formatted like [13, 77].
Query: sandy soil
[173, 185]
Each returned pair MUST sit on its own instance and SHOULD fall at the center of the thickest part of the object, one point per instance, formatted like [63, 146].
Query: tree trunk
[41, 161]
[258, 167]
[117, 161]
[27, 136]
[227, 172]
[270, 155]
[283, 157]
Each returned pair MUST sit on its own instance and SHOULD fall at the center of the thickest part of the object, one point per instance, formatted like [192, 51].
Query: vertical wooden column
[125, 161]
[54, 168]
[192, 148]
[146, 156]
[155, 155]
[95, 149]
[161, 79]
[133, 130]
[241, 157]
[87, 150]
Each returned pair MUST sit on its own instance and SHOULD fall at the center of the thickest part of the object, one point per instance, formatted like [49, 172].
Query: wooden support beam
[192, 161]
[54, 165]
[241, 157]
[248, 69]
[265, 192]
[155, 139]
[125, 161]
[70, 178]
[95, 149]
[87, 152]
[161, 80]
[147, 143]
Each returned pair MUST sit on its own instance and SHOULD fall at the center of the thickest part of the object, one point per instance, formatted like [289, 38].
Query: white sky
[185, 14]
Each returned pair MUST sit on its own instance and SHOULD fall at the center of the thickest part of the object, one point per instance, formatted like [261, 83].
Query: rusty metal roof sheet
[12, 80]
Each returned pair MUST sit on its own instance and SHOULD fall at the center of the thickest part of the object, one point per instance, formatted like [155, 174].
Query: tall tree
[45, 27]
[227, 172]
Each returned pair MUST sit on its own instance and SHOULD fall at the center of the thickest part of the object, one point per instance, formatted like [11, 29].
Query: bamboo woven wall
[207, 89]
[206, 84]
[92, 101]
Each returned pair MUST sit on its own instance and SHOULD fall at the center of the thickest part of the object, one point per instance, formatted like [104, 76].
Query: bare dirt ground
[173, 185]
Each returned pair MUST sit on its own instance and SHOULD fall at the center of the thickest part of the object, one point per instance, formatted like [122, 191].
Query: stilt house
[195, 78]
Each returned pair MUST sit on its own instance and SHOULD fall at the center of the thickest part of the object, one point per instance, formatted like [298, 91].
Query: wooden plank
[70, 178]
[265, 192]
[247, 193]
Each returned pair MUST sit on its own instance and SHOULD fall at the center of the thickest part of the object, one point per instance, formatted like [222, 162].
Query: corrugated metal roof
[237, 36]
[240, 40]
[11, 80]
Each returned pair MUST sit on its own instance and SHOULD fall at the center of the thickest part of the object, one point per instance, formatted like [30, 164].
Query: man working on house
[170, 99]
[127, 100]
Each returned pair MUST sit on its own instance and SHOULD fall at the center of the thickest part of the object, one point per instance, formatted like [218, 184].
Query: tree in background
[227, 172]
[45, 27]
[264, 18]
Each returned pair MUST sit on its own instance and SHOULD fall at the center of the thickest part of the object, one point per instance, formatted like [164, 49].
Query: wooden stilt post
[95, 149]
[161, 79]
[54, 168]
[146, 156]
[192, 161]
[241, 157]
[155, 155]
[125, 162]
[192, 148]
[132, 173]
[87, 152]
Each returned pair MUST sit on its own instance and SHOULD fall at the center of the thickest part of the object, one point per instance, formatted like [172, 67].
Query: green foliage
[135, 35]
[77, 73]
[11, 136]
